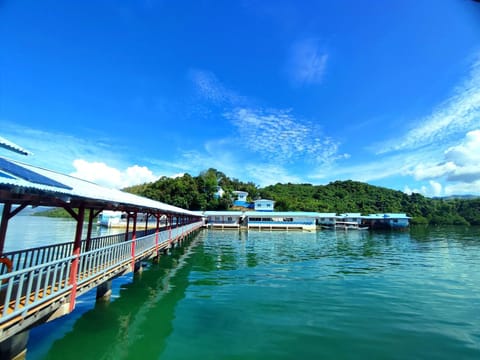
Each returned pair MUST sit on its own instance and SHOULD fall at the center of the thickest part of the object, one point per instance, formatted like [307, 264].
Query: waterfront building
[241, 199]
[387, 221]
[264, 205]
[223, 219]
[350, 218]
[327, 219]
[281, 220]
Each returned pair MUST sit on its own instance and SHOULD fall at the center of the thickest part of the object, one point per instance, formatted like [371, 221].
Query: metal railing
[47, 280]
[25, 258]
[23, 289]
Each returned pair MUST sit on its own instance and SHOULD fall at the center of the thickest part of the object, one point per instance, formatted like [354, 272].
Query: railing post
[89, 230]
[170, 219]
[128, 227]
[76, 252]
[3, 225]
[134, 237]
[157, 234]
[146, 222]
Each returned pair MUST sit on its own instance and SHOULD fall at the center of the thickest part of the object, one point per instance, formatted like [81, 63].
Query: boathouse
[327, 219]
[223, 219]
[395, 221]
[288, 220]
[350, 218]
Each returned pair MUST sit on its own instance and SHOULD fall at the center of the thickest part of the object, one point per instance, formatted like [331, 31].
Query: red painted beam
[76, 252]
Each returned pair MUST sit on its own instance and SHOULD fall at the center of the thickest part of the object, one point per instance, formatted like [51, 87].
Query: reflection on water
[279, 295]
[135, 325]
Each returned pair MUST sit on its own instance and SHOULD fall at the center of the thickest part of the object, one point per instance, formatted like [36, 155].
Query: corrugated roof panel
[75, 187]
[25, 174]
[12, 147]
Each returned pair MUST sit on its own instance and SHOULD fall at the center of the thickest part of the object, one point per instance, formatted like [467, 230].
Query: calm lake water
[263, 295]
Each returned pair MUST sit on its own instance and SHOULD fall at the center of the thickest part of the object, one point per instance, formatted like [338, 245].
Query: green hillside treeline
[197, 193]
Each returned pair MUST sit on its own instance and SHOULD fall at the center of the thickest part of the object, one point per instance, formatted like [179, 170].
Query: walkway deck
[39, 288]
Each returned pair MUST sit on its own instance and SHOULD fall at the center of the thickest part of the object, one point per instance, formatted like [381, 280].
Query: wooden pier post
[104, 291]
[15, 347]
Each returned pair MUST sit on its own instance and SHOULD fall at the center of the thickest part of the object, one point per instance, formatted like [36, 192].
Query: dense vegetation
[197, 193]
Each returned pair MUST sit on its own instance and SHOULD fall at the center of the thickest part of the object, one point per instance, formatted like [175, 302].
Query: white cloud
[278, 136]
[461, 162]
[102, 174]
[307, 63]
[468, 151]
[428, 171]
[460, 113]
[436, 188]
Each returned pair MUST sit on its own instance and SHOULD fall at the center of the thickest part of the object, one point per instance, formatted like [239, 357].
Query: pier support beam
[15, 347]
[138, 267]
[104, 291]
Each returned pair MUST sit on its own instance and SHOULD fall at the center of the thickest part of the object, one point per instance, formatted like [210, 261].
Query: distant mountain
[29, 210]
[465, 197]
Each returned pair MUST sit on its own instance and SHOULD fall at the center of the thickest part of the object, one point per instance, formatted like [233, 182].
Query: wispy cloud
[94, 160]
[307, 62]
[279, 136]
[216, 154]
[210, 88]
[56, 150]
[460, 113]
[377, 169]
[268, 174]
[274, 135]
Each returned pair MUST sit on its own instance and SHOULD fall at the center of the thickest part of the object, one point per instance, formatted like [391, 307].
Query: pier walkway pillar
[15, 347]
[138, 267]
[104, 291]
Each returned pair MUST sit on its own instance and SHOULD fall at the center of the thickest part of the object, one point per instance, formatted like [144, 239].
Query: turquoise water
[263, 295]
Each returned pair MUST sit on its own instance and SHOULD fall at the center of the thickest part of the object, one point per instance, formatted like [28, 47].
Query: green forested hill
[196, 193]
[353, 196]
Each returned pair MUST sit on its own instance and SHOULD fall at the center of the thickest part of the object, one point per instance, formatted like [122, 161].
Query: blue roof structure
[12, 147]
[51, 188]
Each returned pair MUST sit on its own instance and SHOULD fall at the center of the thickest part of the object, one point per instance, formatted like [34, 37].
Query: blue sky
[123, 92]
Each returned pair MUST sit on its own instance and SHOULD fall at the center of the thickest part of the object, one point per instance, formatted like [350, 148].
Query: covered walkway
[41, 284]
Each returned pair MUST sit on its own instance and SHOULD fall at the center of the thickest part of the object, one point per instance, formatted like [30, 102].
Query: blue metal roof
[27, 179]
[12, 147]
[386, 216]
[281, 213]
[222, 213]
